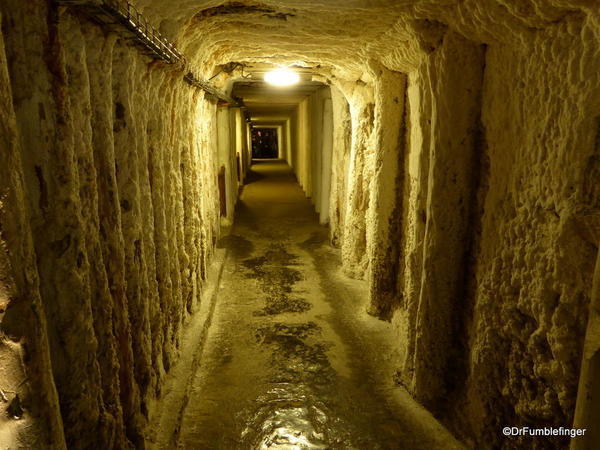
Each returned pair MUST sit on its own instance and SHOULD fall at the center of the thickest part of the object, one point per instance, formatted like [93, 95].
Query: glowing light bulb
[282, 77]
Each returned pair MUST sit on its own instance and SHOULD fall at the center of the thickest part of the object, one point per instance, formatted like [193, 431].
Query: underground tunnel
[310, 224]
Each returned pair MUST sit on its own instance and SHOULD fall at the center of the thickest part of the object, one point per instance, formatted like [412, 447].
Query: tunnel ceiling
[272, 102]
[281, 32]
[340, 35]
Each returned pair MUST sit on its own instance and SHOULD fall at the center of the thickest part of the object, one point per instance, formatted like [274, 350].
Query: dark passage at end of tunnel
[264, 143]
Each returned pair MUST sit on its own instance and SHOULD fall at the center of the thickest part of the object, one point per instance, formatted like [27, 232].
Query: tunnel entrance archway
[264, 143]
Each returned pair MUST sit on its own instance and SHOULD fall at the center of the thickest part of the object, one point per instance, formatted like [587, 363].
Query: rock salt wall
[498, 256]
[497, 229]
[117, 157]
[530, 276]
[26, 368]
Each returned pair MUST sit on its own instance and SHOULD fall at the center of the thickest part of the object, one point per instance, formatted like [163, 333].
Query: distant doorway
[264, 143]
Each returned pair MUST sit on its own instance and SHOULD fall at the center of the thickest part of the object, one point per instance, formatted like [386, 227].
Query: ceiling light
[282, 77]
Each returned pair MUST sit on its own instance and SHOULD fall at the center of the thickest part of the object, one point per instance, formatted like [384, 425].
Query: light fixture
[282, 77]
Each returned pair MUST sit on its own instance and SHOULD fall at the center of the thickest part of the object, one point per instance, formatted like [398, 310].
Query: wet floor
[291, 361]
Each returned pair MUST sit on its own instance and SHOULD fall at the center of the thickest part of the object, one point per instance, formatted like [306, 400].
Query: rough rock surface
[482, 259]
[117, 172]
[500, 152]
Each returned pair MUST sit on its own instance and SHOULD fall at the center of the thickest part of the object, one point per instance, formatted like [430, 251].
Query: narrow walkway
[291, 361]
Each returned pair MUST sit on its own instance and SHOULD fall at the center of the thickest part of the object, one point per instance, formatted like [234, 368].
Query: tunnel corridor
[409, 260]
[292, 360]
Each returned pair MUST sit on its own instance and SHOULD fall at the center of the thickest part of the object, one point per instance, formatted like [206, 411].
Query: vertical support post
[326, 152]
[385, 201]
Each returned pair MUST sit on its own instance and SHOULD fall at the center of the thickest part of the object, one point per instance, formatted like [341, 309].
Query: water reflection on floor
[283, 367]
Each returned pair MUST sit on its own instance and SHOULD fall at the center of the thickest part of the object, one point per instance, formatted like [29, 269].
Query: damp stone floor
[291, 360]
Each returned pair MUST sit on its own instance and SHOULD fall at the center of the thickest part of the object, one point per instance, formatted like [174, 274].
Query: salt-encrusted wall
[25, 372]
[118, 163]
[530, 276]
[498, 229]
